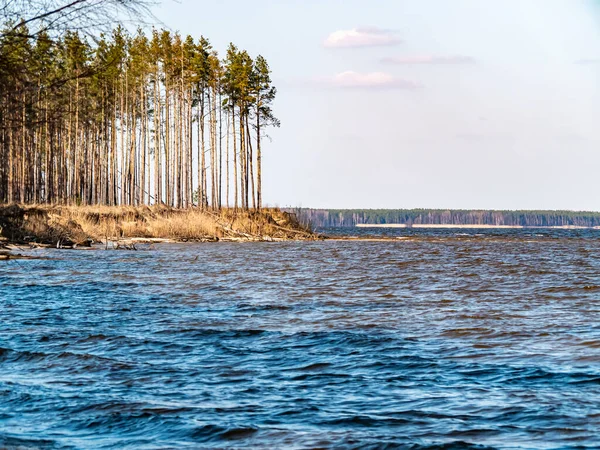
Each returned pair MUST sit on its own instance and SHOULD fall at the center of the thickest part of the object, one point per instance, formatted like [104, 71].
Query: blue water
[441, 339]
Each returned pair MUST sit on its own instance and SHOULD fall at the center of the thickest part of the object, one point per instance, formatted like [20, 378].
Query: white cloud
[361, 37]
[373, 80]
[408, 60]
[588, 61]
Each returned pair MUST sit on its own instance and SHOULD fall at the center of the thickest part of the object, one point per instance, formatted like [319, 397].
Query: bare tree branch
[28, 18]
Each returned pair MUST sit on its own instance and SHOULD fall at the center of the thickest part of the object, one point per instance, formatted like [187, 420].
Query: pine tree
[264, 94]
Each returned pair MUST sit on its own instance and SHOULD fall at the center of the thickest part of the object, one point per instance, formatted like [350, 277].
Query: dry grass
[79, 224]
[116, 222]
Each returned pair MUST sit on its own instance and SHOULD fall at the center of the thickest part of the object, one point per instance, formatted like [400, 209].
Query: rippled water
[439, 338]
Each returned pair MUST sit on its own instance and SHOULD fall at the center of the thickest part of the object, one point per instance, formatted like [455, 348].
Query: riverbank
[73, 226]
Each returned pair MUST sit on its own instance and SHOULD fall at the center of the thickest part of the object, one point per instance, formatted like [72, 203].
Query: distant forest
[321, 218]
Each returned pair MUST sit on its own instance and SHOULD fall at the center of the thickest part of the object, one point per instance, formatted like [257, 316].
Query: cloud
[442, 60]
[588, 61]
[361, 37]
[373, 80]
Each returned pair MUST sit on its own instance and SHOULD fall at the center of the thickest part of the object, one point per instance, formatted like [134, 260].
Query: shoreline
[67, 227]
[473, 226]
[125, 227]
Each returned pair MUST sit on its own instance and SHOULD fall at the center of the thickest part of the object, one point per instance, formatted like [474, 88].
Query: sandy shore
[472, 226]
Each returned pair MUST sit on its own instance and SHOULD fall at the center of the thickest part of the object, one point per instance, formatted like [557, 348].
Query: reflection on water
[481, 337]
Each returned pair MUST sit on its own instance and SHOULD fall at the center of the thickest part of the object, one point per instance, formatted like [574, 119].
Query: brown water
[441, 338]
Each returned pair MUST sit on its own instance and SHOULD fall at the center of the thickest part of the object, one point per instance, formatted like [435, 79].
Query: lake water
[440, 339]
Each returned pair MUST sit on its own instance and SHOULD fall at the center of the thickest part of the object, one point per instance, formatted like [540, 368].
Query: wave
[216, 433]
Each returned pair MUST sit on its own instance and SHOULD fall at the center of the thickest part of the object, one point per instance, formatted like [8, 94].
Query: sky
[421, 103]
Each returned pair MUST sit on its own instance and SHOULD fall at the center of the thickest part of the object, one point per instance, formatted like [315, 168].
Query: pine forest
[131, 119]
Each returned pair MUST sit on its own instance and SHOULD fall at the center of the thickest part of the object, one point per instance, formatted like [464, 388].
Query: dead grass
[80, 224]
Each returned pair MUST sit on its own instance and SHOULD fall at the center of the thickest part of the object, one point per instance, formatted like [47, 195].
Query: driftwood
[266, 238]
[289, 230]
[228, 228]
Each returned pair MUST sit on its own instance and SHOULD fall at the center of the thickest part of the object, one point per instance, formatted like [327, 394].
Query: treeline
[131, 120]
[323, 218]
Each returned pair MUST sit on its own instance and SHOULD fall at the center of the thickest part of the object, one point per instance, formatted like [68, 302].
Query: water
[442, 338]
